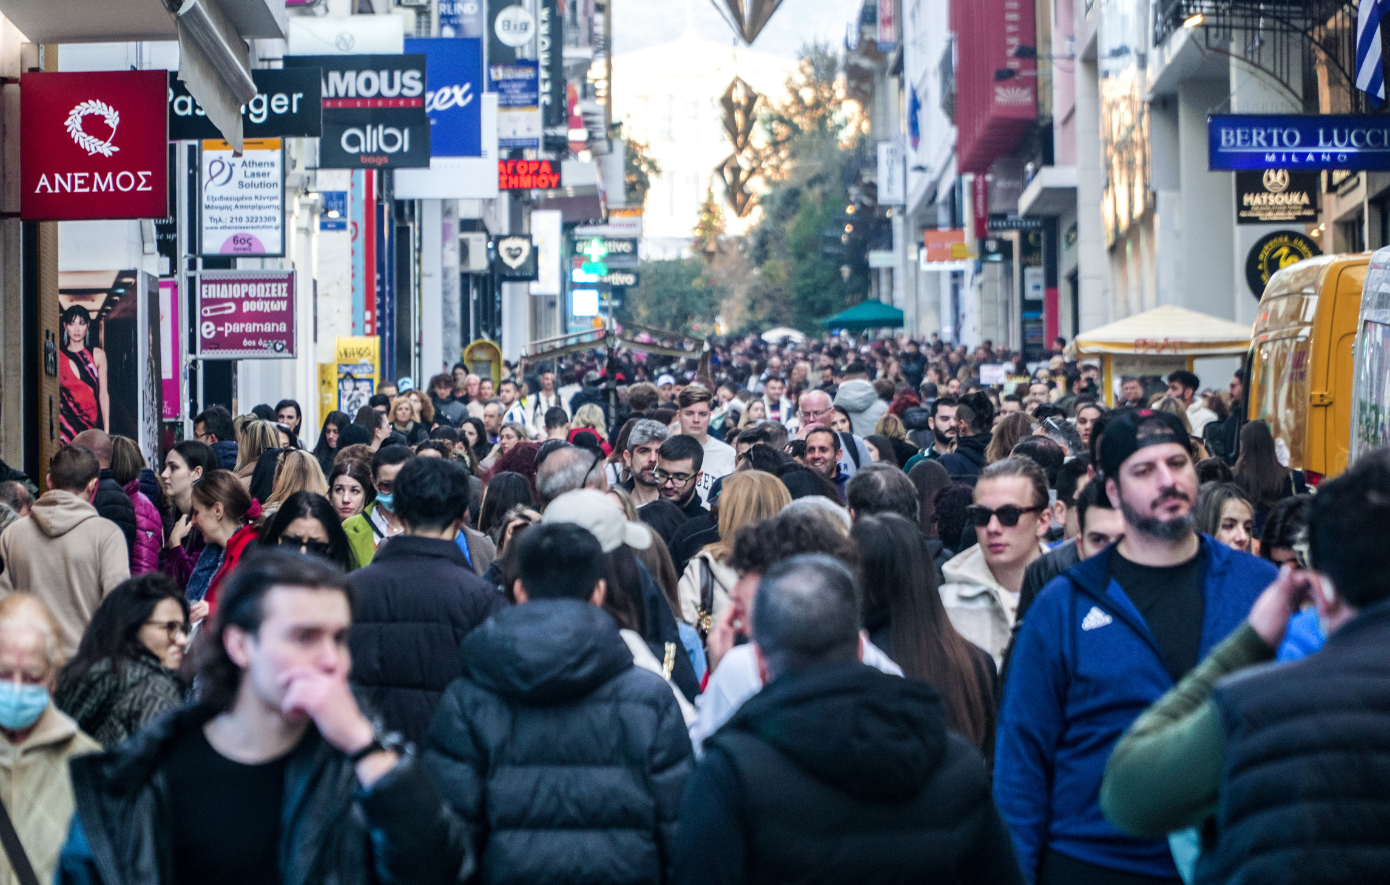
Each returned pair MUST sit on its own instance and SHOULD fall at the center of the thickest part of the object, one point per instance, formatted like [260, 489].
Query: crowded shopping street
[628, 442]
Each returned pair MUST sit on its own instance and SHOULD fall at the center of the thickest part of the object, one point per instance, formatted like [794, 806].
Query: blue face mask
[387, 501]
[21, 705]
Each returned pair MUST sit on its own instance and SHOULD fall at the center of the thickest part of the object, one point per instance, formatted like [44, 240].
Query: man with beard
[640, 460]
[1103, 642]
[974, 429]
[678, 466]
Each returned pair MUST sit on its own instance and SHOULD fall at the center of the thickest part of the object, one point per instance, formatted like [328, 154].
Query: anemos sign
[94, 145]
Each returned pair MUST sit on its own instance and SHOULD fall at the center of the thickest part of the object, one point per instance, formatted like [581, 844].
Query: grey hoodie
[859, 398]
[68, 556]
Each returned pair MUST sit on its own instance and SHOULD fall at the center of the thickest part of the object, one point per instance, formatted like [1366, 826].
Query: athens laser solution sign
[243, 199]
[94, 145]
[246, 314]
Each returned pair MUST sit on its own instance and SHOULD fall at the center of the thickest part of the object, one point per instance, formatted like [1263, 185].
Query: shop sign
[1001, 222]
[373, 110]
[886, 36]
[516, 259]
[243, 199]
[1292, 141]
[333, 215]
[516, 175]
[94, 145]
[518, 98]
[623, 222]
[512, 26]
[619, 252]
[287, 105]
[460, 18]
[358, 363]
[1277, 195]
[945, 245]
[453, 97]
[1273, 253]
[170, 353]
[246, 314]
[550, 54]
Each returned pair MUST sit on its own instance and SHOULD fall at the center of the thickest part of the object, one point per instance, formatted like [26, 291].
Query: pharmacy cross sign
[595, 251]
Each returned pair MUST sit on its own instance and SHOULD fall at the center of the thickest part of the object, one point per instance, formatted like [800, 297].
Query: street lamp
[845, 272]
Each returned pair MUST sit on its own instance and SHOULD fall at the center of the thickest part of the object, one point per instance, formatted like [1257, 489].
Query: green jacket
[361, 535]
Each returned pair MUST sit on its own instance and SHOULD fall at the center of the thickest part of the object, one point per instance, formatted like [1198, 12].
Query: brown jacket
[68, 556]
[37, 790]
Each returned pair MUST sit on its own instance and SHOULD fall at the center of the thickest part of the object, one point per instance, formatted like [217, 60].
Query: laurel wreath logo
[90, 143]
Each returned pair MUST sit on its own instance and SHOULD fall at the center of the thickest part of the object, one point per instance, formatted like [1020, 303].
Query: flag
[914, 109]
[1370, 72]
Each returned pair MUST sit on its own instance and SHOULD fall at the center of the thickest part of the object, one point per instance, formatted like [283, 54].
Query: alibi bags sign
[94, 145]
[373, 110]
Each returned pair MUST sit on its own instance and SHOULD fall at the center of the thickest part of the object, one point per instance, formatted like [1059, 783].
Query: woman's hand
[198, 611]
[182, 526]
[723, 635]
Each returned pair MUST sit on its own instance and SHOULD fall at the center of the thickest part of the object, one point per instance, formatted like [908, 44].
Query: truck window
[1372, 423]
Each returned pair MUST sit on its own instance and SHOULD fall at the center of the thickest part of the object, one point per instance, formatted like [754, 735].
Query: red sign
[94, 145]
[996, 80]
[246, 314]
[520, 175]
[979, 195]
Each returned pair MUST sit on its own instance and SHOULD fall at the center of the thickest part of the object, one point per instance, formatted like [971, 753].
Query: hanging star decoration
[747, 17]
[740, 102]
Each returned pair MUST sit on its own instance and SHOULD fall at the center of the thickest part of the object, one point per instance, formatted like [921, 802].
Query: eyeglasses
[1008, 514]
[318, 548]
[171, 629]
[814, 415]
[679, 479]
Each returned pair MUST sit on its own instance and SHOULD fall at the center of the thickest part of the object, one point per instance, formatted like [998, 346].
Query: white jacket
[979, 607]
[688, 590]
[643, 659]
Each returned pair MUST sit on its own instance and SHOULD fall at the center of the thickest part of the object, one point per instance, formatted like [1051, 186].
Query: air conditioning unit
[473, 253]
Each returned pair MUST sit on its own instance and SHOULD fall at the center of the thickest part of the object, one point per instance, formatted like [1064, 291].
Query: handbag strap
[14, 850]
[706, 612]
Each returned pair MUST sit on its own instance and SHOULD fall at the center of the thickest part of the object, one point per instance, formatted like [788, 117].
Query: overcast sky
[638, 24]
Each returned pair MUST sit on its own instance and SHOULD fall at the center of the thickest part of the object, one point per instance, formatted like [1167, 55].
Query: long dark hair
[1257, 468]
[339, 420]
[114, 631]
[482, 448]
[624, 598]
[901, 592]
[311, 505]
[930, 478]
[503, 492]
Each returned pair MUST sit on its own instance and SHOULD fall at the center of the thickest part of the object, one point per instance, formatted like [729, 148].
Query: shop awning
[870, 314]
[1165, 331]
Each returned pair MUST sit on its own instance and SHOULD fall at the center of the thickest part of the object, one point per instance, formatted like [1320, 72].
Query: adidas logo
[1095, 619]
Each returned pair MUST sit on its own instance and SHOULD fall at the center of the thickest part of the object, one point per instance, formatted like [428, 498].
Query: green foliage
[675, 295]
[639, 168]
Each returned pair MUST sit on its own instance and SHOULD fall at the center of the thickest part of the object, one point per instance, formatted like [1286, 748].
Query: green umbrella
[870, 314]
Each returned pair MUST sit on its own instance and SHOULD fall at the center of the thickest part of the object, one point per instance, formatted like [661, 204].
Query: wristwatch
[380, 741]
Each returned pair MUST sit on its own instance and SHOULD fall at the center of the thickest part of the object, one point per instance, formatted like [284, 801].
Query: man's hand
[326, 699]
[723, 635]
[1280, 601]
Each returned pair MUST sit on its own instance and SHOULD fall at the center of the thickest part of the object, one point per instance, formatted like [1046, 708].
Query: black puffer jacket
[336, 832]
[565, 760]
[969, 457]
[411, 608]
[842, 774]
[114, 504]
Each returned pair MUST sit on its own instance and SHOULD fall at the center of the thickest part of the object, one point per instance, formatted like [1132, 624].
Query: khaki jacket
[979, 607]
[68, 556]
[37, 790]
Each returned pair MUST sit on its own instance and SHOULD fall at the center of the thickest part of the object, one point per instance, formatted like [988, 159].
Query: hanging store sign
[373, 110]
[1289, 141]
[623, 222]
[518, 98]
[460, 18]
[510, 26]
[516, 259]
[619, 252]
[616, 278]
[945, 245]
[287, 105]
[1273, 253]
[170, 350]
[246, 314]
[453, 99]
[515, 175]
[243, 199]
[1000, 222]
[886, 34]
[94, 145]
[1277, 195]
[550, 44]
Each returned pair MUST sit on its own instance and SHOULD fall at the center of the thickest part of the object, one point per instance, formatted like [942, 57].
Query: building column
[1093, 270]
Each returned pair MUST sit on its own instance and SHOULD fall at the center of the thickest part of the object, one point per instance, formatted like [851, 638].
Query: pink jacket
[149, 532]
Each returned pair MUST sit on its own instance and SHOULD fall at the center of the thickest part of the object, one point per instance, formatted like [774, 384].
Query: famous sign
[373, 110]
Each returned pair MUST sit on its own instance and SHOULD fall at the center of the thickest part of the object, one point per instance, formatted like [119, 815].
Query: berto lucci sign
[373, 110]
[94, 145]
[1288, 141]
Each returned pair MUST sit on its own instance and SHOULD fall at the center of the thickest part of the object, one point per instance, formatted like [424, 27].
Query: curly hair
[759, 546]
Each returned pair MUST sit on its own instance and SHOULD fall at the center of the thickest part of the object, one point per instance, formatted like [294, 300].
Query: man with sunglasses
[982, 583]
[1104, 641]
[678, 471]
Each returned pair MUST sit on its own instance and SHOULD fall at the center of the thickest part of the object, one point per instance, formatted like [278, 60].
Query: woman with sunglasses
[308, 523]
[125, 671]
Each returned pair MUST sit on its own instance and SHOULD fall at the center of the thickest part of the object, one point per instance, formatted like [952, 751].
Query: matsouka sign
[94, 145]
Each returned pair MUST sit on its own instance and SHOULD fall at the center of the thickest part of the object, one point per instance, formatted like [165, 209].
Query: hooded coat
[68, 556]
[149, 531]
[979, 607]
[113, 503]
[840, 773]
[968, 458]
[861, 401]
[566, 761]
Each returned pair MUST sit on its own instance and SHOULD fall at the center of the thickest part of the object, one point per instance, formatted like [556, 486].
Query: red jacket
[237, 546]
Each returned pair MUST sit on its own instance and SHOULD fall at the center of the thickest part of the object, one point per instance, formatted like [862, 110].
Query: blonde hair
[255, 439]
[746, 419]
[403, 400]
[298, 471]
[30, 610]
[1012, 428]
[590, 416]
[1173, 406]
[747, 497]
[891, 426]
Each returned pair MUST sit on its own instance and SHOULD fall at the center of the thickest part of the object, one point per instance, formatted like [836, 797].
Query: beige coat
[689, 587]
[979, 607]
[68, 556]
[37, 790]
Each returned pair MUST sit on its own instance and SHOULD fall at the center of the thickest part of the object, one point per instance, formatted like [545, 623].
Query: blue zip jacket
[1084, 666]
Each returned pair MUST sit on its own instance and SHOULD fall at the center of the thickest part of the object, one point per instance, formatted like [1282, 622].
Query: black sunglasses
[318, 548]
[1009, 515]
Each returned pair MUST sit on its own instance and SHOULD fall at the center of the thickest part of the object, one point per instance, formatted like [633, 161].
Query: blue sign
[460, 18]
[453, 93]
[1289, 141]
[517, 84]
[334, 214]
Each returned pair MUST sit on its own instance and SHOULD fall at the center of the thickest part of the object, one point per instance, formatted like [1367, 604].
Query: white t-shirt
[737, 679]
[719, 462]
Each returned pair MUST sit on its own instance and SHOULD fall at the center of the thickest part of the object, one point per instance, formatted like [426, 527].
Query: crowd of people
[830, 611]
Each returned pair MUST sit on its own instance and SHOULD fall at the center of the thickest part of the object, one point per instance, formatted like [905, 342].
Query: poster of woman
[86, 400]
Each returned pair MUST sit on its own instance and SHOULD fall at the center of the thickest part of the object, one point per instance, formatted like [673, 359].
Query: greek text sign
[94, 145]
[246, 314]
[243, 199]
[1288, 141]
[373, 110]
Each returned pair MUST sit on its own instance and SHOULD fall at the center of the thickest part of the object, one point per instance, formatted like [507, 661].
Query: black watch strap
[366, 751]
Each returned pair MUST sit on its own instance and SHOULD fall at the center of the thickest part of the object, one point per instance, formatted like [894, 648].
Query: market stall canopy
[772, 336]
[870, 314]
[1164, 331]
